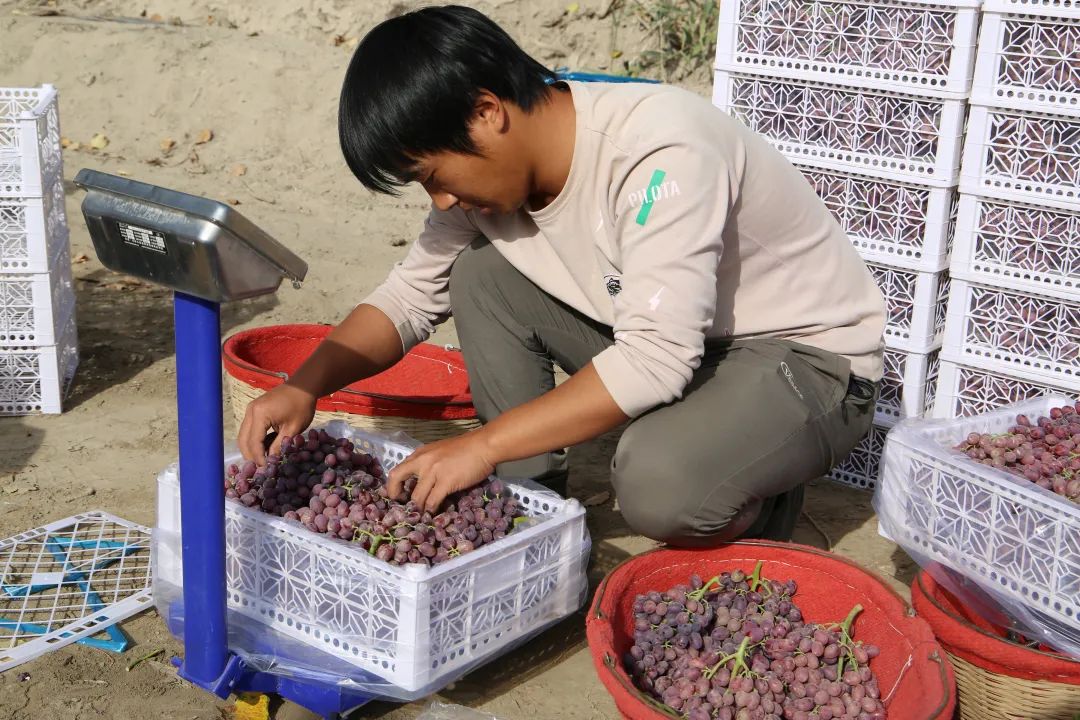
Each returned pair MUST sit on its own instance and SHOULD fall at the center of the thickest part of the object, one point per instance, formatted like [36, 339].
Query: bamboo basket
[425, 396]
[997, 679]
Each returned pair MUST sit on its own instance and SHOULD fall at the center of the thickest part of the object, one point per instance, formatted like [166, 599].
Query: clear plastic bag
[1003, 545]
[313, 607]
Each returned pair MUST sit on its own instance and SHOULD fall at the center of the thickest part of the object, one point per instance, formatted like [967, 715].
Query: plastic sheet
[444, 711]
[312, 607]
[1006, 547]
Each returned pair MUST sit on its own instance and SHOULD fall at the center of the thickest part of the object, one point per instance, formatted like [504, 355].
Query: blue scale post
[207, 254]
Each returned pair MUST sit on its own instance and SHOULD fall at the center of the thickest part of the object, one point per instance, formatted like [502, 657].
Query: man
[676, 266]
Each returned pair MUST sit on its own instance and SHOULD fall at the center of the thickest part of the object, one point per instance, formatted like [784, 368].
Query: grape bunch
[738, 648]
[330, 488]
[1047, 452]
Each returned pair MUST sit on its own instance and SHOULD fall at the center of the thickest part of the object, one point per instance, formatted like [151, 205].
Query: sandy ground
[264, 77]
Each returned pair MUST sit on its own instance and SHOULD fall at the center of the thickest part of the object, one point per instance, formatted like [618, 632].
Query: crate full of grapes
[395, 600]
[996, 498]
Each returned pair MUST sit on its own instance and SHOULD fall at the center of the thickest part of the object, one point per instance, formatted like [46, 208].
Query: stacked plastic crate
[38, 342]
[1013, 328]
[867, 98]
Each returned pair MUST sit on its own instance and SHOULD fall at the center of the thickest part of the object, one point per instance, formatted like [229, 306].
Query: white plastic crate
[901, 224]
[963, 390]
[863, 465]
[414, 627]
[31, 230]
[900, 137]
[29, 141]
[1029, 62]
[1023, 156]
[36, 379]
[922, 46]
[1048, 8]
[916, 303]
[907, 387]
[1015, 332]
[1015, 539]
[34, 306]
[1020, 246]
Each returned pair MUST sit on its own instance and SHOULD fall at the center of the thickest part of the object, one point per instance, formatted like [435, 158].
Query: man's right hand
[286, 409]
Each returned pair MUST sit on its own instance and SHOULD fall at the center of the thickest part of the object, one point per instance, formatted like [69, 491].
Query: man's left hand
[442, 468]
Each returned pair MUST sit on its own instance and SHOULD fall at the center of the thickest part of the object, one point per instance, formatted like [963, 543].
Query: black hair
[411, 88]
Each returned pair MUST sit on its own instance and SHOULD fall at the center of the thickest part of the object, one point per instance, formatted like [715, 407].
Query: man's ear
[490, 112]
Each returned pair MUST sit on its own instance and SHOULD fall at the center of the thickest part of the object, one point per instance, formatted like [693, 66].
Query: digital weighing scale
[208, 254]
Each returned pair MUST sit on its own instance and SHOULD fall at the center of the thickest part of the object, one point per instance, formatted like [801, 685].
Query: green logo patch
[651, 193]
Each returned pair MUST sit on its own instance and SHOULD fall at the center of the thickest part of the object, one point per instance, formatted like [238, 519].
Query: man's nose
[443, 200]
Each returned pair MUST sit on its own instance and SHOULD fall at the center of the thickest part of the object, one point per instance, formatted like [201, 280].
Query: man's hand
[443, 468]
[286, 409]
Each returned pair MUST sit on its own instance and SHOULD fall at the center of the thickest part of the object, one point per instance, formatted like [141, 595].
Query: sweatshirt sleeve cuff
[631, 393]
[383, 301]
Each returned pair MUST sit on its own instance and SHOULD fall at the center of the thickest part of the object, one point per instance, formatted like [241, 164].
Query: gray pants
[730, 459]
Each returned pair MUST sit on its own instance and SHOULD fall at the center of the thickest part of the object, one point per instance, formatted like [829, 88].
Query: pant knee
[474, 271]
[662, 498]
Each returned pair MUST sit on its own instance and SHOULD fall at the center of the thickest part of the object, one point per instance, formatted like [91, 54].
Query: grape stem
[704, 589]
[757, 580]
[846, 642]
[739, 656]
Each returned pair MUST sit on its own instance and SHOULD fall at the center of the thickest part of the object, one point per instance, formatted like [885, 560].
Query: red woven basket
[426, 394]
[915, 678]
[996, 678]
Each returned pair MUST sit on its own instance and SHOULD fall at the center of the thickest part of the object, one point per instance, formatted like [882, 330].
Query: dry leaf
[397, 242]
[99, 142]
[123, 173]
[156, 162]
[167, 145]
[81, 258]
[338, 40]
[204, 136]
[598, 499]
[64, 142]
[75, 145]
[352, 42]
[233, 201]
[573, 8]
[156, 18]
[239, 169]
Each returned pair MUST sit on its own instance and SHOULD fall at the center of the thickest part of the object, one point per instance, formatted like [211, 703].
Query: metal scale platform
[208, 254]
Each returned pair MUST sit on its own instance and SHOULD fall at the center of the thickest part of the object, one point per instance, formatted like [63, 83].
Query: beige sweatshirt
[677, 224]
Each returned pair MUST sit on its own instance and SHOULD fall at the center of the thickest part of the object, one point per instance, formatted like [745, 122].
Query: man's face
[495, 181]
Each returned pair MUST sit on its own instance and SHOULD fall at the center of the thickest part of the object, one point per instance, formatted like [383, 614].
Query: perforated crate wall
[862, 466]
[1029, 62]
[1015, 332]
[907, 387]
[922, 47]
[916, 303]
[901, 224]
[34, 306]
[414, 627]
[31, 230]
[1047, 8]
[964, 390]
[900, 137]
[1010, 536]
[36, 379]
[29, 141]
[1023, 156]
[1020, 246]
